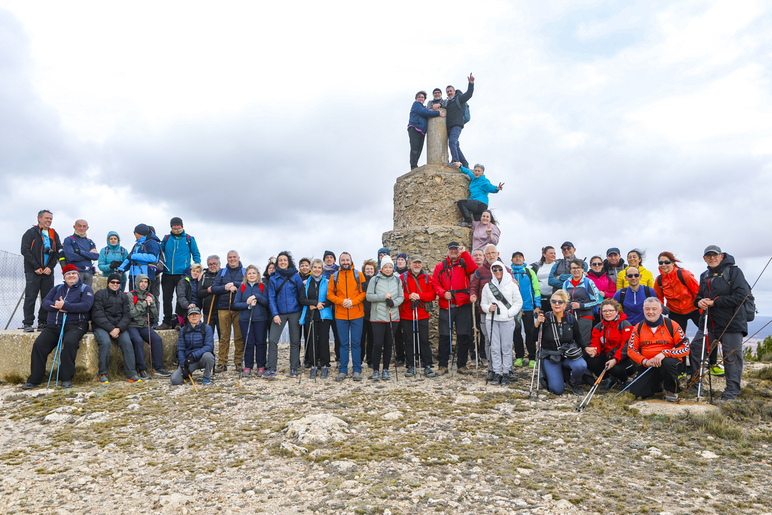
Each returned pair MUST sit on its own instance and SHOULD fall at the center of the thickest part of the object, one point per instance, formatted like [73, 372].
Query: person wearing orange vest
[660, 344]
[346, 290]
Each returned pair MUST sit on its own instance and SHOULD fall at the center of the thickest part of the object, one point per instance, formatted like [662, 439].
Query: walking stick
[538, 361]
[702, 355]
[14, 310]
[476, 343]
[249, 327]
[313, 346]
[190, 376]
[587, 398]
[394, 357]
[303, 348]
[632, 383]
[57, 355]
[450, 333]
[416, 347]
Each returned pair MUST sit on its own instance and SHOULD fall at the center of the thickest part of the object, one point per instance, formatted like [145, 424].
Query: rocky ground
[449, 444]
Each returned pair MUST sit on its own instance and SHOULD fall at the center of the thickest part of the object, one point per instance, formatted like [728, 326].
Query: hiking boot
[293, 373]
[441, 371]
[464, 371]
[717, 371]
[512, 376]
[312, 374]
[270, 374]
[400, 362]
[496, 379]
[519, 362]
[66, 384]
[219, 369]
[358, 376]
[260, 372]
[484, 363]
[28, 328]
[103, 379]
[608, 384]
[527, 362]
[162, 327]
[410, 372]
[385, 375]
[340, 377]
[247, 372]
[29, 386]
[206, 381]
[42, 327]
[376, 376]
[135, 379]
[465, 224]
[162, 372]
[143, 375]
[428, 372]
[489, 376]
[325, 372]
[506, 380]
[576, 388]
[671, 397]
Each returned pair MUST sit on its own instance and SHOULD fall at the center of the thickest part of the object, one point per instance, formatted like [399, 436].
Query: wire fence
[11, 290]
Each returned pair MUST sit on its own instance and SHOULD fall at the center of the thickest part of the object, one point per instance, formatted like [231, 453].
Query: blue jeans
[355, 326]
[554, 373]
[124, 342]
[138, 338]
[455, 147]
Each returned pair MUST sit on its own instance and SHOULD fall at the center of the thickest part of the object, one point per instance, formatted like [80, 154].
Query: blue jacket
[633, 303]
[529, 287]
[112, 253]
[195, 341]
[257, 313]
[177, 251]
[321, 296]
[586, 294]
[144, 252]
[479, 187]
[561, 272]
[78, 301]
[77, 251]
[419, 116]
[225, 276]
[286, 301]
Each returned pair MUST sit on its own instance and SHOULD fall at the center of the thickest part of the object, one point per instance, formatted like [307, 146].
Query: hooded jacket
[420, 284]
[284, 299]
[511, 292]
[111, 309]
[36, 255]
[187, 290]
[453, 276]
[347, 284]
[611, 337]
[727, 287]
[194, 341]
[144, 253]
[178, 248]
[138, 308]
[313, 293]
[208, 300]
[78, 300]
[679, 297]
[379, 286]
[112, 253]
[259, 311]
[529, 286]
[224, 276]
[604, 283]
[78, 252]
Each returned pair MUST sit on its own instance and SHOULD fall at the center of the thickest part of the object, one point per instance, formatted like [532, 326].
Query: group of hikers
[573, 320]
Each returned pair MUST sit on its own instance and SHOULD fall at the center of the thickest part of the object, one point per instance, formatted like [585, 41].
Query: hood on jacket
[115, 247]
[186, 273]
[505, 277]
[138, 279]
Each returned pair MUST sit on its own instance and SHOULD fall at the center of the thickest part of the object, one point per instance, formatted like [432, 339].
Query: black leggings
[383, 339]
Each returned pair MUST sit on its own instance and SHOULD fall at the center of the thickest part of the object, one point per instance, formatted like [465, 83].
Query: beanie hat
[115, 276]
[402, 255]
[386, 260]
[175, 221]
[142, 229]
[328, 253]
[66, 269]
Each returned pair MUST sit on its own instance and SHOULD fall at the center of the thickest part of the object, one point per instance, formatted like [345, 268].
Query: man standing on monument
[456, 106]
[451, 282]
[437, 99]
[40, 247]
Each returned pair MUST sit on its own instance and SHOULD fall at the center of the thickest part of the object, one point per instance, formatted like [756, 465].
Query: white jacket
[511, 292]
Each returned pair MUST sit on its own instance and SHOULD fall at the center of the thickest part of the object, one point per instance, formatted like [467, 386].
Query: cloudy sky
[629, 124]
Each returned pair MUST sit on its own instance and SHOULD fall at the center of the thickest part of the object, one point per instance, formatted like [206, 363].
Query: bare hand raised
[501, 186]
[471, 77]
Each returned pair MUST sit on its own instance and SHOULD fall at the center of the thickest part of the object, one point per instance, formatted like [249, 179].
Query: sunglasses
[664, 262]
[115, 282]
[630, 276]
[596, 264]
[557, 301]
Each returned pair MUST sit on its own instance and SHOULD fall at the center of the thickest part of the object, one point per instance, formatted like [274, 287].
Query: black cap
[517, 253]
[328, 253]
[175, 221]
[453, 245]
[613, 250]
[566, 243]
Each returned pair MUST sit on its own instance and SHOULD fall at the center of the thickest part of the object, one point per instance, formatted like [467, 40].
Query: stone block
[428, 195]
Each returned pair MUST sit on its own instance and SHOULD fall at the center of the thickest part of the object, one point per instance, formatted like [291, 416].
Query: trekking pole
[301, 352]
[416, 347]
[587, 398]
[632, 382]
[14, 311]
[476, 343]
[249, 327]
[190, 376]
[57, 355]
[535, 368]
[450, 333]
[702, 355]
[394, 357]
[313, 345]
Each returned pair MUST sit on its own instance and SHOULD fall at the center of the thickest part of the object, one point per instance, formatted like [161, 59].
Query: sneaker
[496, 379]
[42, 327]
[206, 381]
[357, 376]
[441, 371]
[341, 376]
[490, 375]
[376, 376]
[671, 397]
[532, 364]
[385, 375]
[325, 372]
[29, 386]
[247, 372]
[400, 362]
[293, 373]
[512, 377]
[410, 372]
[135, 379]
[717, 371]
[576, 388]
[103, 379]
[66, 384]
[162, 372]
[143, 375]
[506, 380]
[28, 328]
[464, 224]
[464, 371]
[526, 362]
[270, 374]
[162, 327]
[312, 374]
[519, 362]
[260, 372]
[428, 372]
[484, 363]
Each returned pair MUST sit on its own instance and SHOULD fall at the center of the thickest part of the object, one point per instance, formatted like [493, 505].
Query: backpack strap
[622, 294]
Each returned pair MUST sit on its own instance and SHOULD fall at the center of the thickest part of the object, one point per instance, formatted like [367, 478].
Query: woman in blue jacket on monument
[479, 188]
[252, 303]
[418, 124]
[284, 288]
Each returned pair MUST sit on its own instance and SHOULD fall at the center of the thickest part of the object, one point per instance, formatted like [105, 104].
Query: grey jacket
[379, 286]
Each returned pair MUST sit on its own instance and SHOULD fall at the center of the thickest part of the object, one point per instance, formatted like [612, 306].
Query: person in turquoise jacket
[111, 257]
[479, 188]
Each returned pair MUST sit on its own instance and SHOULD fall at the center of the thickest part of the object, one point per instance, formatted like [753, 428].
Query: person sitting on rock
[68, 305]
[660, 344]
[111, 316]
[195, 349]
[479, 188]
[143, 306]
[608, 348]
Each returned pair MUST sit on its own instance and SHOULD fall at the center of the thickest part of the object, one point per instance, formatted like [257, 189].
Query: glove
[414, 305]
[115, 264]
[189, 360]
[390, 303]
[185, 370]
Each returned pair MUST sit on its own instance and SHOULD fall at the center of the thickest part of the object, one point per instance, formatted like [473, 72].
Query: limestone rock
[317, 429]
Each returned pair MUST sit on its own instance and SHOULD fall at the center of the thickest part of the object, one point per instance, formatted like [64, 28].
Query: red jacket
[611, 338]
[453, 277]
[678, 297]
[423, 287]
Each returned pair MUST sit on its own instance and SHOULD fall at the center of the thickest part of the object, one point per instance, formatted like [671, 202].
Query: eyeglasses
[575, 268]
[608, 311]
[711, 255]
[630, 276]
[115, 282]
[664, 262]
[596, 264]
[557, 301]
[212, 264]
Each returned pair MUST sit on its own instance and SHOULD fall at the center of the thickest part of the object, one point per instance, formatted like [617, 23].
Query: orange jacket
[679, 297]
[646, 343]
[347, 284]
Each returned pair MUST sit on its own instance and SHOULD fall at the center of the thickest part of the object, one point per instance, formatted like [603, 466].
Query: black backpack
[749, 304]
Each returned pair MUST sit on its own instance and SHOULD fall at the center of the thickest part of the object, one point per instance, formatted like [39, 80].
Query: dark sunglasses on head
[633, 275]
[664, 262]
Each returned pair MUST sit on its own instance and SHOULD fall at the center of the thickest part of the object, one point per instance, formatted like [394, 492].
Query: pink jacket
[604, 283]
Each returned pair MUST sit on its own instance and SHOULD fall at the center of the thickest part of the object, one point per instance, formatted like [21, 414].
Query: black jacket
[727, 287]
[455, 115]
[34, 254]
[111, 310]
[568, 332]
[207, 299]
